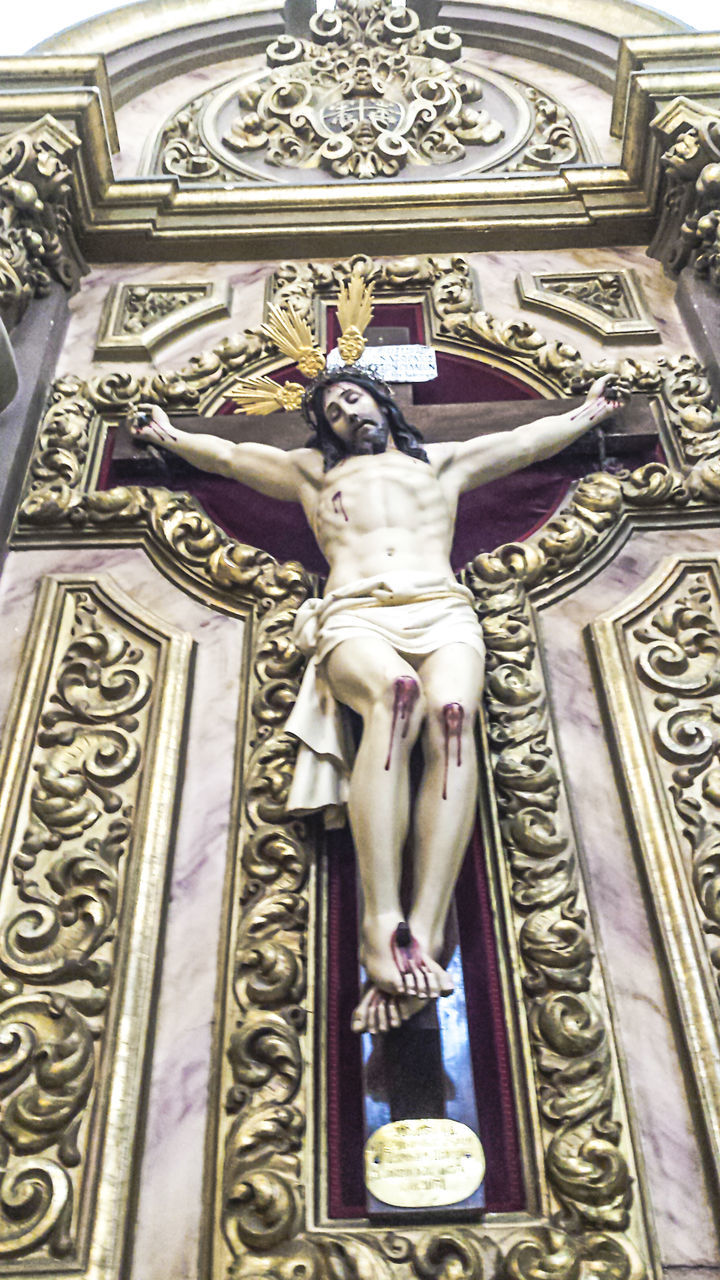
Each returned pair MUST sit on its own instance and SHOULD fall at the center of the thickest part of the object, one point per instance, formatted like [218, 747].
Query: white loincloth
[416, 614]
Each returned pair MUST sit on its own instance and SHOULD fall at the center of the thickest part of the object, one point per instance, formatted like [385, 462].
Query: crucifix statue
[394, 636]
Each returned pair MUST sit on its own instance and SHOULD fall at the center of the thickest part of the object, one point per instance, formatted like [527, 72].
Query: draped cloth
[414, 613]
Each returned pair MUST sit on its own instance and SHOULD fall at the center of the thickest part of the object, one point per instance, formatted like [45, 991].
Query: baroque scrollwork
[36, 241]
[74, 768]
[585, 1161]
[366, 94]
[369, 92]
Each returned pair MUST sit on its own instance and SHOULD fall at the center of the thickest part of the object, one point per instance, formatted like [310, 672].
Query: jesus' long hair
[406, 437]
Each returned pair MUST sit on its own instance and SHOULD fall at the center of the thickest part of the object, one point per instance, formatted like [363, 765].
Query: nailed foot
[421, 974]
[379, 1011]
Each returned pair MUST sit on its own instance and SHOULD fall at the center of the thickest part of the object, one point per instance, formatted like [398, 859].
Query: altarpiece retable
[478, 612]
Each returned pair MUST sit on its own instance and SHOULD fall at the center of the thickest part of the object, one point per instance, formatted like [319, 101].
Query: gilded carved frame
[658, 653]
[590, 1211]
[89, 780]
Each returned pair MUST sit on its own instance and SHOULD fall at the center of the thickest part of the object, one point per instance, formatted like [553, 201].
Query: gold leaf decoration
[293, 336]
[92, 734]
[261, 395]
[354, 308]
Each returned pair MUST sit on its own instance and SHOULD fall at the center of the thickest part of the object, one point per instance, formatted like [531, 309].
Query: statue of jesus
[395, 638]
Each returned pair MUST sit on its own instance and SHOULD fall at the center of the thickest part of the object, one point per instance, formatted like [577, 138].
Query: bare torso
[381, 512]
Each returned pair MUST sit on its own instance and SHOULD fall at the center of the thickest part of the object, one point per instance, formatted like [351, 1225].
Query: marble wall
[683, 1199]
[496, 274]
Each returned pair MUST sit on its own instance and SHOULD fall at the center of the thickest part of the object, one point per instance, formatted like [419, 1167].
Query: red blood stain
[453, 716]
[407, 691]
[337, 502]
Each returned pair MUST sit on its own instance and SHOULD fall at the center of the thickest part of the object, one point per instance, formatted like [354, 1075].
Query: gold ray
[354, 313]
[293, 336]
[259, 394]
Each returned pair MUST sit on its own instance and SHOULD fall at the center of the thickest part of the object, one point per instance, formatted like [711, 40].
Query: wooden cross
[630, 429]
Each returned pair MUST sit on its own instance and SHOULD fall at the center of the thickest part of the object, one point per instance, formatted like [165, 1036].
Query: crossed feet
[402, 975]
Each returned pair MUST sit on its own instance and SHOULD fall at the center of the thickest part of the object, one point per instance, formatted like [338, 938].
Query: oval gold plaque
[420, 1164]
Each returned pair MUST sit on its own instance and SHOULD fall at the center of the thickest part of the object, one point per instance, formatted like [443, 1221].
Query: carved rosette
[660, 655]
[95, 730]
[36, 241]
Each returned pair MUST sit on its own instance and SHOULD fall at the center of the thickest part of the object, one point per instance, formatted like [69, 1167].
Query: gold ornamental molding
[138, 319]
[611, 304]
[88, 784]
[170, 218]
[658, 654]
[688, 233]
[263, 1215]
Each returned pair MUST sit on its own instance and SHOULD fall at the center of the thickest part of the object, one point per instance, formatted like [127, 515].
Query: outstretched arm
[475, 462]
[261, 466]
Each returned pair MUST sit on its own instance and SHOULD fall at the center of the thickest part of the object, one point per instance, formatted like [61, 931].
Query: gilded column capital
[37, 244]
[687, 233]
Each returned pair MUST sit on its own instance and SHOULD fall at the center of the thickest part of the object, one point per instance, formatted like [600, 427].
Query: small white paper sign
[407, 363]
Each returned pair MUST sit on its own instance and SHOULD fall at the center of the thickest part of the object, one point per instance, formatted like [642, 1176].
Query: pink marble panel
[166, 1235]
[247, 281]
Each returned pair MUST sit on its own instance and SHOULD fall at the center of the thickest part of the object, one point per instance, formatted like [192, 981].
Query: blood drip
[453, 716]
[406, 695]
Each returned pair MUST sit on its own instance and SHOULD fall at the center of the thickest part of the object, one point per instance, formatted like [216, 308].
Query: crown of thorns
[293, 335]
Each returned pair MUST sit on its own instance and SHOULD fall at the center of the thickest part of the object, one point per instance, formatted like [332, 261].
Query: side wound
[407, 692]
[453, 716]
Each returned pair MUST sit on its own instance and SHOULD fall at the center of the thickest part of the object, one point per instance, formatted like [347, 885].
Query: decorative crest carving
[369, 93]
[36, 241]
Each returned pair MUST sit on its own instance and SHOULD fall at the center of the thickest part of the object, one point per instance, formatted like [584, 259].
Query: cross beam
[631, 428]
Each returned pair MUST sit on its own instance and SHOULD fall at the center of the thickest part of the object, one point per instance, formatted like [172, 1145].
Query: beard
[369, 437]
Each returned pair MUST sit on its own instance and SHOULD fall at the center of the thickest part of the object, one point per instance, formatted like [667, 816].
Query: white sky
[27, 24]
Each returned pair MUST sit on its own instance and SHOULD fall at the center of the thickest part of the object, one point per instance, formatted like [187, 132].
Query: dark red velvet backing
[486, 1026]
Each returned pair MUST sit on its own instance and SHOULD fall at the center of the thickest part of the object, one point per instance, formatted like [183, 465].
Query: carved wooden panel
[659, 658]
[88, 781]
[137, 319]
